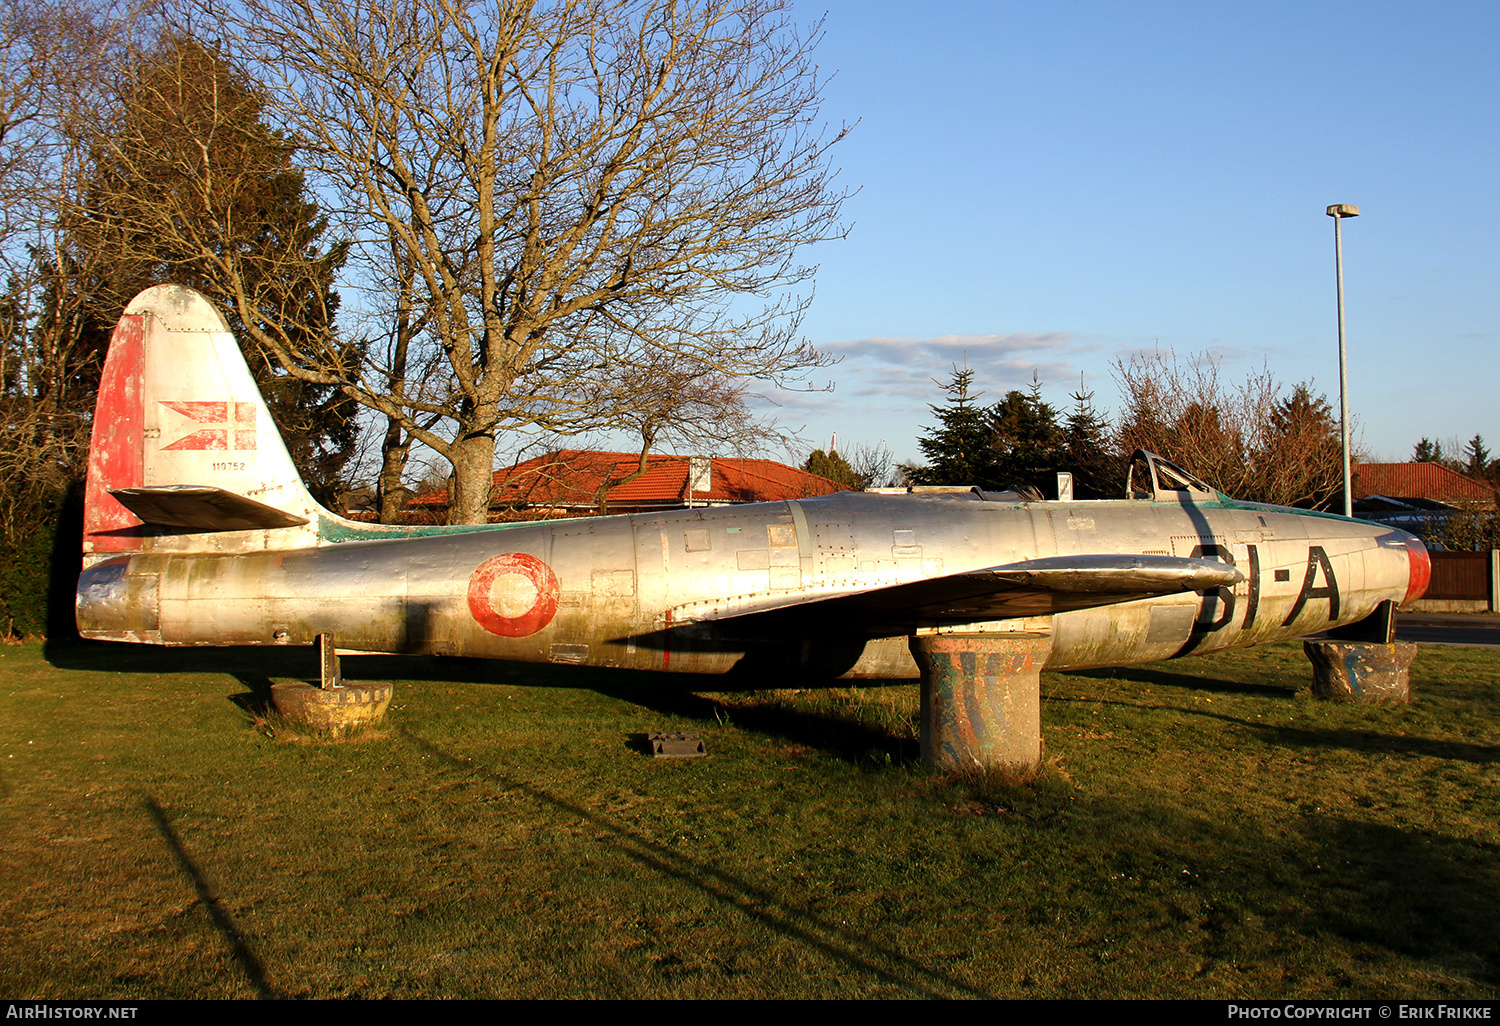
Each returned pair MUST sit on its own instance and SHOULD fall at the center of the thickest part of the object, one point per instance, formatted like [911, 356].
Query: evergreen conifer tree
[1026, 439]
[1478, 461]
[191, 187]
[832, 466]
[1088, 453]
[959, 451]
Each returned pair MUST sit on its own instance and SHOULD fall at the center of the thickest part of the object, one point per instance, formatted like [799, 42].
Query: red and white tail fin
[185, 456]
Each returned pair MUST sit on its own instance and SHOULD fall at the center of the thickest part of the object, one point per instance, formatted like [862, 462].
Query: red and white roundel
[514, 595]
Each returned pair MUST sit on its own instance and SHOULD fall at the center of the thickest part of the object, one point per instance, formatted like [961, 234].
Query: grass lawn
[1204, 828]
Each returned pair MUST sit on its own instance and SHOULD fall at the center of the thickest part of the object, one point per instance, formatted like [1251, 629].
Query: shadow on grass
[300, 662]
[1167, 679]
[1248, 892]
[677, 694]
[856, 952]
[1422, 894]
[114, 657]
[1320, 739]
[843, 737]
[255, 702]
[1370, 741]
[221, 919]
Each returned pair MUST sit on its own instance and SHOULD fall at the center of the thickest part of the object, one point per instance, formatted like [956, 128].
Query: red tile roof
[1418, 481]
[570, 478]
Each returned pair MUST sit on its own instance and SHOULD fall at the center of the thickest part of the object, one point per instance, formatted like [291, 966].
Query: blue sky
[1050, 187]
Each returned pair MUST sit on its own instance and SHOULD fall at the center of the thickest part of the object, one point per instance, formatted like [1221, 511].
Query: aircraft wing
[1035, 587]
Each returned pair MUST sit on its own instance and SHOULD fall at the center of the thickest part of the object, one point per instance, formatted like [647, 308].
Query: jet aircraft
[198, 531]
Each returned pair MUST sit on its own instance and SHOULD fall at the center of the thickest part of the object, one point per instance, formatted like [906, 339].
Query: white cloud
[950, 349]
[885, 386]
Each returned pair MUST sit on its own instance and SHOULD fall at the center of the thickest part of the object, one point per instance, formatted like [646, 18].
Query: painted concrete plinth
[1361, 671]
[981, 699]
[354, 704]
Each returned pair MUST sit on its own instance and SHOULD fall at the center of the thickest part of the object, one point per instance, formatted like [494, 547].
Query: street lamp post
[1338, 212]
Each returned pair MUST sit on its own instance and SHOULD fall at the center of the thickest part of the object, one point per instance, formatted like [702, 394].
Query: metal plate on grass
[676, 746]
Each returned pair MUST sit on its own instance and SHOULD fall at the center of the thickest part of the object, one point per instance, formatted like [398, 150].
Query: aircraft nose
[1420, 569]
[1418, 563]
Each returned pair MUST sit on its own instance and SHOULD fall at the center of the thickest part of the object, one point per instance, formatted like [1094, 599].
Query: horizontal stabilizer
[202, 508]
[1036, 587]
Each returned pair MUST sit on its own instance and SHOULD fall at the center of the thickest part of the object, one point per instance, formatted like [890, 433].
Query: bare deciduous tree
[873, 464]
[405, 366]
[188, 184]
[51, 57]
[667, 399]
[582, 189]
[1247, 440]
[1471, 527]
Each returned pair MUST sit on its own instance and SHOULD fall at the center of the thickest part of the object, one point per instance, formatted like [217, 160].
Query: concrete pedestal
[346, 707]
[1356, 671]
[981, 699]
[336, 705]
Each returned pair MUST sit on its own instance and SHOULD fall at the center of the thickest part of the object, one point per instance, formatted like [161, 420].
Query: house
[1413, 496]
[567, 483]
[1427, 481]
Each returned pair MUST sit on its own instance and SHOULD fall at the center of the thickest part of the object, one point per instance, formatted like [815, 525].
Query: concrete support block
[332, 710]
[333, 705]
[981, 699]
[1355, 671]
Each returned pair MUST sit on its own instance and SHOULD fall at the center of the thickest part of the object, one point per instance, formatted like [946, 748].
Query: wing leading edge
[1035, 587]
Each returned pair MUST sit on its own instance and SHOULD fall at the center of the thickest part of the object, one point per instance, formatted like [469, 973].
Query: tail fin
[184, 448]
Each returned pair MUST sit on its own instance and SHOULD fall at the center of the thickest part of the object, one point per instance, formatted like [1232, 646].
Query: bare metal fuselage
[678, 591]
[198, 531]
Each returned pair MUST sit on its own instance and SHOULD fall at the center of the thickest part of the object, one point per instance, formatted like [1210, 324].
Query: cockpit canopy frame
[1160, 480]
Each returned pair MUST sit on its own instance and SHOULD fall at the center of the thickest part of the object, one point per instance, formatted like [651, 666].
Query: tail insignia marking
[514, 595]
[229, 425]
